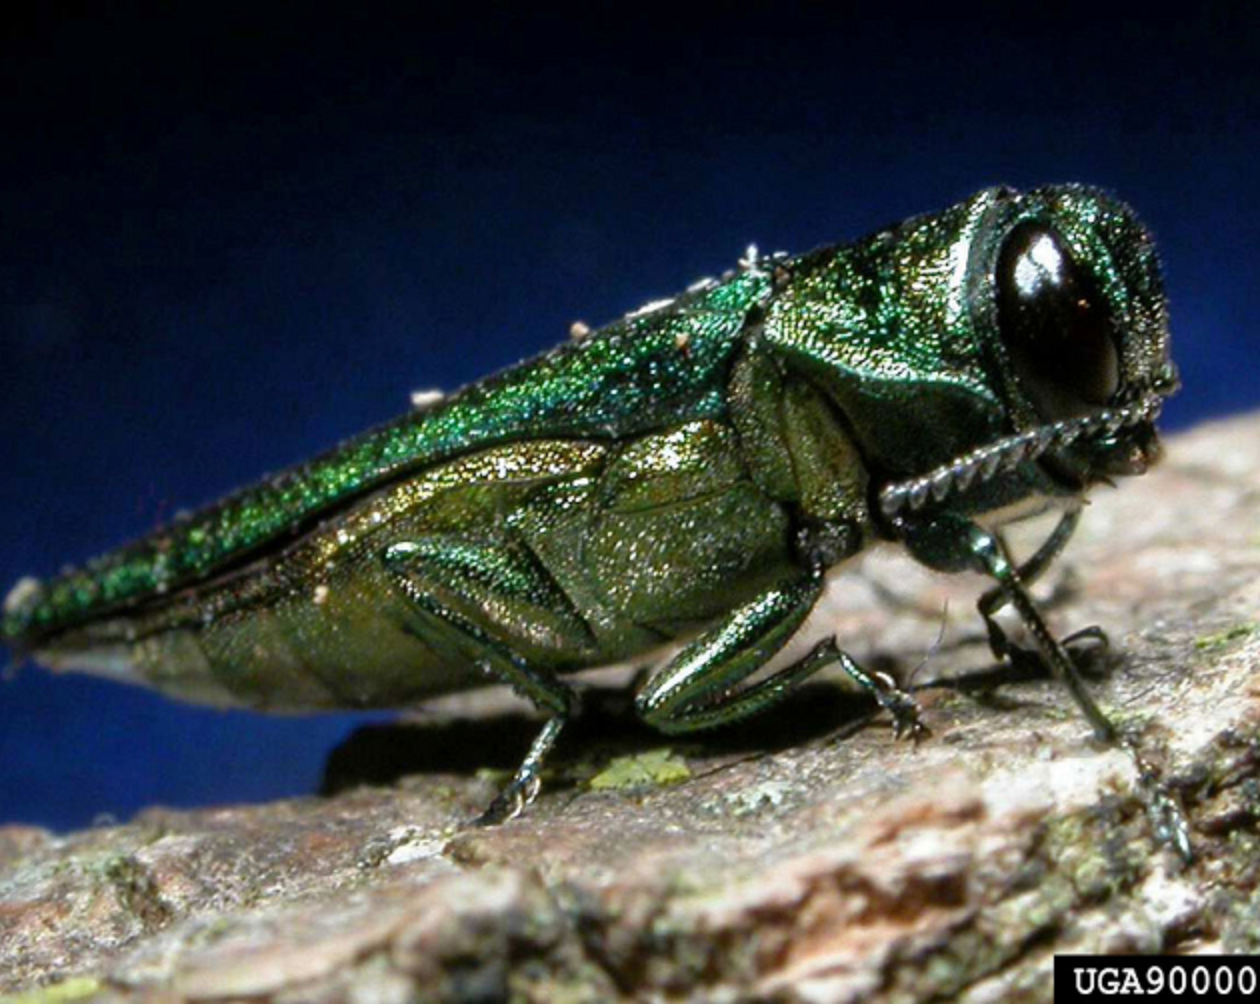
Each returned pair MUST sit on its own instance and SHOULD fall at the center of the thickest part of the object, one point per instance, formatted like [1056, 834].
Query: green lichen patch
[1218, 641]
[653, 769]
[75, 989]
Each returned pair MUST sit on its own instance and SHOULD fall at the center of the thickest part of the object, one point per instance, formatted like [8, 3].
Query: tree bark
[805, 856]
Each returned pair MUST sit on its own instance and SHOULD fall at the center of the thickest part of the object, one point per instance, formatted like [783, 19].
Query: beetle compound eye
[1055, 325]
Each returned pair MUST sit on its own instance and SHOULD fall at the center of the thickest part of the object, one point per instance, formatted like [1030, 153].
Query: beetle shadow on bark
[1095, 663]
[606, 726]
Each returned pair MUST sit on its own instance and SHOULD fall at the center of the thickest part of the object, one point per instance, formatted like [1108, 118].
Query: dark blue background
[226, 243]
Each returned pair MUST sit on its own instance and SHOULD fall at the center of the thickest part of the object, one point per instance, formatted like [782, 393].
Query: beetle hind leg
[482, 602]
[526, 782]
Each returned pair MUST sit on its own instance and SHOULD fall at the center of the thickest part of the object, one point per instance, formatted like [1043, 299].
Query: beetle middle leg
[485, 601]
[699, 688]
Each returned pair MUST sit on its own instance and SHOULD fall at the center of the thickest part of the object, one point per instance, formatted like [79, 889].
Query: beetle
[690, 473]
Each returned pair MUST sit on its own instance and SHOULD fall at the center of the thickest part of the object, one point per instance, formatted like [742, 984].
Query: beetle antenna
[1007, 453]
[933, 649]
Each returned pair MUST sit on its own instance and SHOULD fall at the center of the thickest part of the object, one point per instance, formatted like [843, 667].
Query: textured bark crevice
[807, 857]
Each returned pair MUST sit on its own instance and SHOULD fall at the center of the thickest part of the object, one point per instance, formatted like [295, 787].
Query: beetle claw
[902, 706]
[511, 801]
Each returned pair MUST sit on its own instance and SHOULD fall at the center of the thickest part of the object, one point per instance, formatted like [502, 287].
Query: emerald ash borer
[690, 473]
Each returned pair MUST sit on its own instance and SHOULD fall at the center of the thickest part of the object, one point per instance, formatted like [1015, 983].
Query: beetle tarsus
[510, 802]
[890, 697]
[1168, 819]
[524, 786]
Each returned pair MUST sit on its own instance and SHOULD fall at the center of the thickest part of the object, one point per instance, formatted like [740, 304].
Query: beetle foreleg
[952, 543]
[993, 600]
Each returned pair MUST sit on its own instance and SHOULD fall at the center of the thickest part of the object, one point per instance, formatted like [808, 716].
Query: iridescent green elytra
[690, 472]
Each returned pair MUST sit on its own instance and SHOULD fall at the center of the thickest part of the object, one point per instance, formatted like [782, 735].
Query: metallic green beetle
[688, 473]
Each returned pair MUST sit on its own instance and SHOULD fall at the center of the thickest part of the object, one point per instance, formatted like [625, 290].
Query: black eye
[1055, 325]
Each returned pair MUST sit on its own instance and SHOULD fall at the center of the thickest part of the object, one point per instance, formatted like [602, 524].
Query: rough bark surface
[806, 856]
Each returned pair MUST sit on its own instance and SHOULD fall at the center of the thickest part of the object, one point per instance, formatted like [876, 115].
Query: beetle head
[1070, 283]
